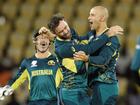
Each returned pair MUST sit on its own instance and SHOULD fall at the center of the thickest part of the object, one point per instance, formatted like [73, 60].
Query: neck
[58, 38]
[43, 55]
[102, 28]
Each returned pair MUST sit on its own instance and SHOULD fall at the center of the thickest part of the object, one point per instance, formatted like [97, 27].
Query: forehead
[92, 11]
[61, 25]
[42, 36]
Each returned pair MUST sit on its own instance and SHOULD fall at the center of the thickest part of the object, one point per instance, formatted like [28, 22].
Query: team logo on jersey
[51, 62]
[90, 38]
[73, 49]
[109, 44]
[34, 64]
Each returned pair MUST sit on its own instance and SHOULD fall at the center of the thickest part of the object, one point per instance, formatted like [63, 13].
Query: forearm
[19, 80]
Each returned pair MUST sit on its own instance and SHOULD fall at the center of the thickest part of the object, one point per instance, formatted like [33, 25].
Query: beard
[65, 36]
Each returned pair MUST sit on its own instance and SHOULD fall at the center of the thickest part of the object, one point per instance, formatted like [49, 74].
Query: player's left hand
[115, 30]
[80, 55]
[44, 30]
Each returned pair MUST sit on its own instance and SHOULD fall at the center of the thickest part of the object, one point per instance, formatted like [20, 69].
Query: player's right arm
[67, 50]
[20, 77]
[16, 81]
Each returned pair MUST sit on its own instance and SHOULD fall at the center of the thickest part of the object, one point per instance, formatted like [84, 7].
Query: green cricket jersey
[74, 72]
[102, 63]
[44, 76]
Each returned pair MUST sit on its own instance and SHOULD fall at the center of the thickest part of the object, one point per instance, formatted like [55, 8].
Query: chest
[42, 67]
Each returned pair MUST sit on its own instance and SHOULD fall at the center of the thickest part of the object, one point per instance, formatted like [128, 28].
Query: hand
[8, 90]
[115, 30]
[44, 30]
[80, 56]
[2, 93]
[5, 91]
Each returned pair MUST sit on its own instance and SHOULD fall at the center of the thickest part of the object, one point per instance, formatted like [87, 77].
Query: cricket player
[42, 72]
[74, 85]
[101, 72]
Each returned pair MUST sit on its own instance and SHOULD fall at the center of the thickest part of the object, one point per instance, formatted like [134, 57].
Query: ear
[102, 19]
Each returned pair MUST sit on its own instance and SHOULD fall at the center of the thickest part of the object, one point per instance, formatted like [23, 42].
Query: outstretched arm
[20, 77]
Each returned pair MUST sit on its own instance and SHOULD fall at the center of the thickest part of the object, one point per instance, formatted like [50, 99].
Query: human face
[94, 19]
[42, 43]
[63, 30]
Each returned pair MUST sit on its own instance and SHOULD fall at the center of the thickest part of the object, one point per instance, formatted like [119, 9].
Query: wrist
[87, 58]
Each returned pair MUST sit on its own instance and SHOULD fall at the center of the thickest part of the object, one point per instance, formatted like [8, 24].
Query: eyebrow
[62, 29]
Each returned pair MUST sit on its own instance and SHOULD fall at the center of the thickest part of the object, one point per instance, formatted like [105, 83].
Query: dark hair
[35, 34]
[54, 21]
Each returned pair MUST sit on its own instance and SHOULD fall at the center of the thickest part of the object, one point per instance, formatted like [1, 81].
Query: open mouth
[43, 44]
[90, 22]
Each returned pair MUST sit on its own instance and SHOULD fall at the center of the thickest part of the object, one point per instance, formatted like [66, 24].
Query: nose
[42, 42]
[65, 31]
[89, 18]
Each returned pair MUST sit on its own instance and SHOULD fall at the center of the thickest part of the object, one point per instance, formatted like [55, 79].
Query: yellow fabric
[69, 64]
[20, 80]
[109, 44]
[29, 87]
[59, 77]
[84, 42]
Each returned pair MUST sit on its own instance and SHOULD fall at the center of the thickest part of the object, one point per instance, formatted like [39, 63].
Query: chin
[92, 28]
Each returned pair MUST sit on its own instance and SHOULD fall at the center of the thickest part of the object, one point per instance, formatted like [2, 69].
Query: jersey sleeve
[67, 50]
[107, 52]
[58, 78]
[20, 76]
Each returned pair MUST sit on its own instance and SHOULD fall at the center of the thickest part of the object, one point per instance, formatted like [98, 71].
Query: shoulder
[29, 59]
[113, 42]
[114, 39]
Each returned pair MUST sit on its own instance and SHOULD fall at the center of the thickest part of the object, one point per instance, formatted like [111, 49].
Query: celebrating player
[42, 71]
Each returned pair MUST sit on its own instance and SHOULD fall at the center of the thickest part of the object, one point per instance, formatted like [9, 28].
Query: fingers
[77, 55]
[2, 98]
[43, 30]
[78, 59]
[1, 93]
[5, 91]
[8, 90]
[80, 53]
[119, 33]
[115, 30]
[80, 56]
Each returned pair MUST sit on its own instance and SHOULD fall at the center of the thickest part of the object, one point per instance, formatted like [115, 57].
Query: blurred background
[19, 18]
